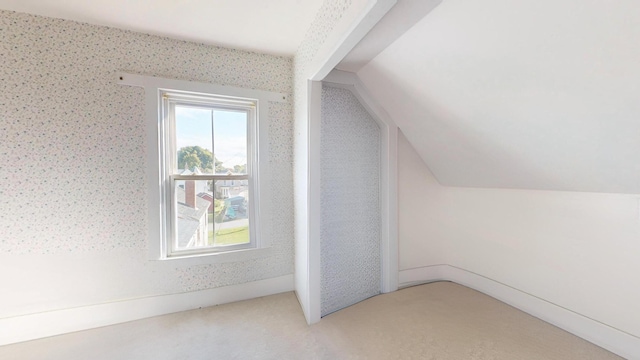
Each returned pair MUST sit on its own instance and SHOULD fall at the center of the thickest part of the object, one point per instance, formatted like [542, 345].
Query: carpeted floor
[434, 321]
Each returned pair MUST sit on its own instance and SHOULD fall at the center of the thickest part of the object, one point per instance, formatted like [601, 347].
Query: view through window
[209, 167]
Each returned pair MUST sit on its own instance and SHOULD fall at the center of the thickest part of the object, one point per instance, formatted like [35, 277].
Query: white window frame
[157, 187]
[170, 99]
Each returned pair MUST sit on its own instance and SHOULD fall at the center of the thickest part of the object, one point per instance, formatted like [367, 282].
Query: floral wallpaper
[72, 180]
[350, 203]
[329, 14]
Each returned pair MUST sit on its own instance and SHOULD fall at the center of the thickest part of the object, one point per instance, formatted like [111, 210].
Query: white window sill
[218, 258]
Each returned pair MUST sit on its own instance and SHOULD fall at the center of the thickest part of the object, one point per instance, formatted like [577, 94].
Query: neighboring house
[193, 222]
[209, 197]
[201, 186]
[230, 188]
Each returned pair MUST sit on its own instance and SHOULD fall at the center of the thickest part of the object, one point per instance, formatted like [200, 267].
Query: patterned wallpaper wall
[350, 204]
[328, 16]
[326, 19]
[72, 174]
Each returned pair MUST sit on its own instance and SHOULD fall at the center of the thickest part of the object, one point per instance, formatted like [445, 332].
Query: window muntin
[209, 164]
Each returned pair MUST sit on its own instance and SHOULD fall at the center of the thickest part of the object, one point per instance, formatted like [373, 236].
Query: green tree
[196, 156]
[240, 169]
[219, 167]
[190, 161]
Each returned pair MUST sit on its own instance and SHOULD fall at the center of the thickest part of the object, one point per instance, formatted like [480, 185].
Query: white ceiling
[536, 94]
[273, 26]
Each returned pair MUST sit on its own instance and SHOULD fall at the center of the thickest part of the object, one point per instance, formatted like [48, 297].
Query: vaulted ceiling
[534, 94]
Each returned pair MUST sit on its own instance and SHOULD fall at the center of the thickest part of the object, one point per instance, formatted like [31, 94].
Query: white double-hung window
[209, 161]
[207, 169]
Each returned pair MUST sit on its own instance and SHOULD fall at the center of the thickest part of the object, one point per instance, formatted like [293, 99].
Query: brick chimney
[190, 193]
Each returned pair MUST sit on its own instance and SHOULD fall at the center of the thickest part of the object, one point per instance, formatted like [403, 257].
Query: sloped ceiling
[533, 94]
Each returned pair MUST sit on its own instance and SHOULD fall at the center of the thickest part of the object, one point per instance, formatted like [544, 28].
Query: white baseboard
[614, 340]
[56, 322]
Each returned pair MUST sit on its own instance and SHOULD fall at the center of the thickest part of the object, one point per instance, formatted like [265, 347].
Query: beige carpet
[435, 321]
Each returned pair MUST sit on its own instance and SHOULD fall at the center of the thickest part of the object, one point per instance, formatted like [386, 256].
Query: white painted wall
[418, 190]
[580, 251]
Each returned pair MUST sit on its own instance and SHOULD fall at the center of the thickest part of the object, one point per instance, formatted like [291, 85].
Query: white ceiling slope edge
[402, 16]
[272, 27]
[531, 94]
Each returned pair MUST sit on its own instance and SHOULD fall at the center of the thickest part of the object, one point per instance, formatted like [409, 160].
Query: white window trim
[153, 114]
[172, 98]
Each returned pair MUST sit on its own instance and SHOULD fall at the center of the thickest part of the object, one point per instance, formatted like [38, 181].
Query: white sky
[193, 127]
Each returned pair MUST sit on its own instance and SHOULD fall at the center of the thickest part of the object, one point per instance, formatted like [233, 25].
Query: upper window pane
[230, 141]
[194, 134]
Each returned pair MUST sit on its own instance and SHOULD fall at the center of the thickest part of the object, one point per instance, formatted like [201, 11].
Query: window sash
[210, 177]
[214, 102]
[169, 105]
[172, 250]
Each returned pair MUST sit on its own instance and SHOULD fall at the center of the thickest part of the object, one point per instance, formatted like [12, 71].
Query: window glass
[193, 212]
[194, 131]
[208, 173]
[231, 213]
[230, 141]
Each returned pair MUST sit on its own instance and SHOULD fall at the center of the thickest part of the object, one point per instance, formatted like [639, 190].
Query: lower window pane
[231, 213]
[193, 211]
[211, 214]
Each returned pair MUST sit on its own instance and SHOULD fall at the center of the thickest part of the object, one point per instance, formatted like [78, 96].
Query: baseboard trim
[39, 325]
[607, 337]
